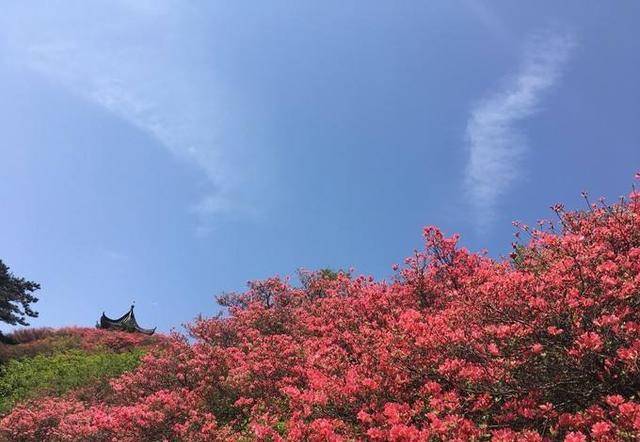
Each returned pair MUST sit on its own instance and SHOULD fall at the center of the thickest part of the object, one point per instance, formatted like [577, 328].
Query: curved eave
[126, 322]
[146, 331]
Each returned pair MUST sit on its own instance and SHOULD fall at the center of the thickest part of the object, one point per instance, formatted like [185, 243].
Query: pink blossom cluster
[544, 345]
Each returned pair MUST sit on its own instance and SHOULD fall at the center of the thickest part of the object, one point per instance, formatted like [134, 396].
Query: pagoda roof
[126, 322]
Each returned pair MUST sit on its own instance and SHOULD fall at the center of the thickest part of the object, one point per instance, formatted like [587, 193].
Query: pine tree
[16, 297]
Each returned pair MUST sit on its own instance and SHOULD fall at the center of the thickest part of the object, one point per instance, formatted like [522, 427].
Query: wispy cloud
[147, 63]
[496, 145]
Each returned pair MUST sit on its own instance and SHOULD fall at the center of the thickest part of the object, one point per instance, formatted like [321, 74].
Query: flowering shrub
[46, 341]
[25, 335]
[542, 346]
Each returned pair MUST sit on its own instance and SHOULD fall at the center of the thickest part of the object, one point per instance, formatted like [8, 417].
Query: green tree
[16, 297]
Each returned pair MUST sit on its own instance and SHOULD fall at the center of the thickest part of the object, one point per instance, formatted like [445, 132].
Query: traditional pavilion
[126, 322]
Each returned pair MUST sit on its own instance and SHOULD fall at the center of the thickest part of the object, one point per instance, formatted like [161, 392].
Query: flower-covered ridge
[542, 345]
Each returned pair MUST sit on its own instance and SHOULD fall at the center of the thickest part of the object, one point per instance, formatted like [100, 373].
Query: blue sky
[168, 151]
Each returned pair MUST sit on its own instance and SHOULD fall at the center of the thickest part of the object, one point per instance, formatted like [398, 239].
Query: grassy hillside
[80, 361]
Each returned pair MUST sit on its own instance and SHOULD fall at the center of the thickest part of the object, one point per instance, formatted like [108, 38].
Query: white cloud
[496, 145]
[145, 62]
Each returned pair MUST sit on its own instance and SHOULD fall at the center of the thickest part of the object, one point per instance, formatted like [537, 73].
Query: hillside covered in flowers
[44, 362]
[543, 345]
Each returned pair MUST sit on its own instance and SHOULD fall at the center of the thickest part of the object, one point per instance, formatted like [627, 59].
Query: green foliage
[22, 379]
[518, 256]
[313, 281]
[16, 297]
[330, 274]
